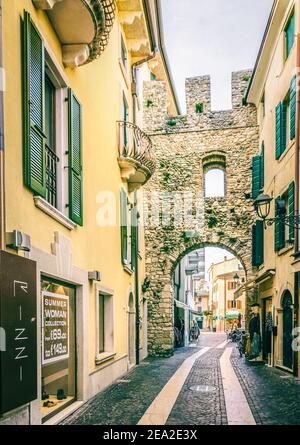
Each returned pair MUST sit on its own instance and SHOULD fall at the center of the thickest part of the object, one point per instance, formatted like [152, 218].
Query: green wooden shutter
[290, 34]
[278, 131]
[134, 237]
[254, 246]
[255, 176]
[291, 203]
[75, 160]
[124, 230]
[33, 108]
[283, 125]
[262, 166]
[258, 244]
[279, 229]
[281, 111]
[293, 109]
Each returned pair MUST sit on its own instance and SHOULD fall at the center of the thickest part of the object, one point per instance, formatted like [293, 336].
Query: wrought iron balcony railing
[136, 158]
[51, 176]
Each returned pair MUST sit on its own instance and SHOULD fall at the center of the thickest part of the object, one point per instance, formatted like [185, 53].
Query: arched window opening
[214, 183]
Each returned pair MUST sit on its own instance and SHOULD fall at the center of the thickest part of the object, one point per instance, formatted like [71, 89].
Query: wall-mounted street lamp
[262, 206]
[236, 278]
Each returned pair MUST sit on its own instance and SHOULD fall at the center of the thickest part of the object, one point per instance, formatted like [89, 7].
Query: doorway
[287, 306]
[267, 317]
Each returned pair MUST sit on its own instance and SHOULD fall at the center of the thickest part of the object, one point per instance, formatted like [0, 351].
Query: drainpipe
[137, 293]
[136, 65]
[2, 183]
[297, 196]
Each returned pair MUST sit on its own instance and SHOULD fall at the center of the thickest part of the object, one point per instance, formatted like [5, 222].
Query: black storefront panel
[18, 329]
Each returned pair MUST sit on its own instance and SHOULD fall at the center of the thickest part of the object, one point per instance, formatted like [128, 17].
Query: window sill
[287, 150]
[102, 358]
[286, 249]
[124, 73]
[127, 269]
[47, 208]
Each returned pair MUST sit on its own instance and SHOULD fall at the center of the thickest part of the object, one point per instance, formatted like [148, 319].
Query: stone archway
[161, 293]
[179, 218]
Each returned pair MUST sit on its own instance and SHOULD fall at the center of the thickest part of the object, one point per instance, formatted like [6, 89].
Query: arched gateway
[179, 218]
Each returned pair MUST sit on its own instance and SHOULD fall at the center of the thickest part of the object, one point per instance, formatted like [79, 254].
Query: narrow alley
[204, 384]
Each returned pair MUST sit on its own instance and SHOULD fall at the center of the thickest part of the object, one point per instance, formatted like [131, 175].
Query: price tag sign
[55, 327]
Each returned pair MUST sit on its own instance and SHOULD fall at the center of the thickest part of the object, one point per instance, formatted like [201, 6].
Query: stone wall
[181, 145]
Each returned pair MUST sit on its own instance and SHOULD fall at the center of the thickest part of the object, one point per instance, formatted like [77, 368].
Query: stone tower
[179, 217]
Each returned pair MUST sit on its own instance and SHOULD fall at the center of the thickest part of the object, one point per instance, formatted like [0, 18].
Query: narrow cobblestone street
[271, 395]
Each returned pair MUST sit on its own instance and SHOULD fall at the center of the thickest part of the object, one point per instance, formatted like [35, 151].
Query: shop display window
[58, 339]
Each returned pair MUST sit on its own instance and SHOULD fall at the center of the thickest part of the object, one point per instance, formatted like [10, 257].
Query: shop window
[58, 347]
[214, 183]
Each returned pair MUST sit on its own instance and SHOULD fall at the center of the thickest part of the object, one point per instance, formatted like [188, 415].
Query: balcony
[82, 26]
[132, 17]
[136, 158]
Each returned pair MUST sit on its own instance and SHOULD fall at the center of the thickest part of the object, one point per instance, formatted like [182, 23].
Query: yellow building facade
[76, 159]
[224, 279]
[274, 91]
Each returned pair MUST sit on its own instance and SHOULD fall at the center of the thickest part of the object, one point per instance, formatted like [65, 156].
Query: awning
[232, 314]
[181, 305]
[266, 276]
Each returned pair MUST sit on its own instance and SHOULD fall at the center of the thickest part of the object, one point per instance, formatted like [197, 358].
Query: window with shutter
[33, 108]
[279, 229]
[258, 244]
[293, 109]
[289, 35]
[256, 166]
[134, 237]
[75, 160]
[281, 134]
[291, 210]
[124, 229]
[262, 167]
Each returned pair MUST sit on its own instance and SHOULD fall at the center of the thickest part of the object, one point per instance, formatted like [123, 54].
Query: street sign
[18, 334]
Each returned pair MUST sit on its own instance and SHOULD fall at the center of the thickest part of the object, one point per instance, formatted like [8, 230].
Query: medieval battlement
[199, 115]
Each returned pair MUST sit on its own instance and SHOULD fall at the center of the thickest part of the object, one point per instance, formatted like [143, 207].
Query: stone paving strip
[223, 345]
[272, 394]
[125, 403]
[237, 408]
[159, 411]
[201, 400]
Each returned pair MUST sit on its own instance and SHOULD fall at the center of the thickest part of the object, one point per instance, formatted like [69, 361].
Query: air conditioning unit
[18, 241]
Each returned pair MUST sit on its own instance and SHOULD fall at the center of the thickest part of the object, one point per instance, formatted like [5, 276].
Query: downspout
[2, 179]
[137, 293]
[297, 196]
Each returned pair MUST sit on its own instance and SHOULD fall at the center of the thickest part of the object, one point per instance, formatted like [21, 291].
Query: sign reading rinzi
[55, 327]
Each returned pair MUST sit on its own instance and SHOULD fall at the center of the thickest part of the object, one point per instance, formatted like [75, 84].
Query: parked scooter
[242, 343]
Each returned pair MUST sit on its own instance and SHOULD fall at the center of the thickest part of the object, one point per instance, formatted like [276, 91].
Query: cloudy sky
[213, 37]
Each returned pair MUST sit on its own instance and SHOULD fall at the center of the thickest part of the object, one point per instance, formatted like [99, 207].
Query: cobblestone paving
[199, 408]
[273, 395]
[126, 403]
